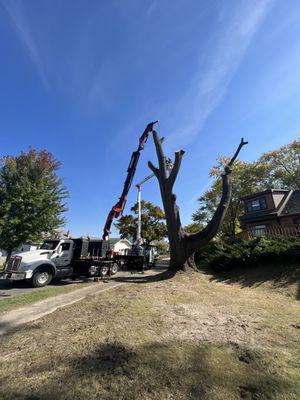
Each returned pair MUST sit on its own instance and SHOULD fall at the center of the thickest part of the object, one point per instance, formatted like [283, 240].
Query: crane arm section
[118, 208]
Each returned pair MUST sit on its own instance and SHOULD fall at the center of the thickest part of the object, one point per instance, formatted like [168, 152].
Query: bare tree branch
[160, 156]
[200, 238]
[242, 143]
[175, 169]
[153, 169]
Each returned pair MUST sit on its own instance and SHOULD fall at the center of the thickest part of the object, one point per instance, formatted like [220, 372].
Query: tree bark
[183, 245]
[8, 255]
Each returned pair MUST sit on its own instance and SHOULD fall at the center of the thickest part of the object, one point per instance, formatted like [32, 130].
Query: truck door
[63, 254]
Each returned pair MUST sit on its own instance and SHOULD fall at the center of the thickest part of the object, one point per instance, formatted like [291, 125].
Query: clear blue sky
[83, 78]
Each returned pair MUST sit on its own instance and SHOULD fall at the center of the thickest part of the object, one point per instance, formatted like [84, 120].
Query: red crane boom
[118, 208]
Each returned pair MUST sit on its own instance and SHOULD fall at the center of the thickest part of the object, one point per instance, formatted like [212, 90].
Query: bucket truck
[68, 257]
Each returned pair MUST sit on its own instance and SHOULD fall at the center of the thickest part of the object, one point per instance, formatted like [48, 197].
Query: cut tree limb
[175, 169]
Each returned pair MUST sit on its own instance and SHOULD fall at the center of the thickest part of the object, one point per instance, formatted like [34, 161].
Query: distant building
[120, 245]
[273, 211]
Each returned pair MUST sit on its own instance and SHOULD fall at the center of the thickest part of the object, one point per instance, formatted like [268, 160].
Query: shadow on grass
[156, 371]
[279, 273]
[12, 329]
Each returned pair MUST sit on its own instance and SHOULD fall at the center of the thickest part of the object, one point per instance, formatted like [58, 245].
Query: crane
[118, 208]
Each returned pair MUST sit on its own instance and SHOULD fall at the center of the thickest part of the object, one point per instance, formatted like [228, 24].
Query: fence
[288, 230]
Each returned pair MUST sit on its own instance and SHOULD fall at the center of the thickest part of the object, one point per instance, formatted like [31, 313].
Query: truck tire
[114, 268]
[42, 277]
[104, 270]
[93, 270]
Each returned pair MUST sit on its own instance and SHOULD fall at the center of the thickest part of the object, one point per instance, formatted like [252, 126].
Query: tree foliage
[278, 169]
[153, 223]
[31, 198]
[282, 166]
[193, 227]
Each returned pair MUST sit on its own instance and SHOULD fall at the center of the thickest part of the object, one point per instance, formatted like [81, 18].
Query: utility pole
[139, 227]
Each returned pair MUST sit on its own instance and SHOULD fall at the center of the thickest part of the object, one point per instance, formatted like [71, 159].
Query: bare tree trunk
[8, 254]
[183, 245]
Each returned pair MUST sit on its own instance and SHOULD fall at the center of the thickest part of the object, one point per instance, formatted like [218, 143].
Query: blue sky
[82, 79]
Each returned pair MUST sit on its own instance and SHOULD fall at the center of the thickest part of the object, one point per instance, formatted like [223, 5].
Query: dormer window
[256, 204]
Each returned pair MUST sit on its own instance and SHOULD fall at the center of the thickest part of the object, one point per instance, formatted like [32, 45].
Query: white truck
[72, 257]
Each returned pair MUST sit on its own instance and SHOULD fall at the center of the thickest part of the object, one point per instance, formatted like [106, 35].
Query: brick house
[271, 211]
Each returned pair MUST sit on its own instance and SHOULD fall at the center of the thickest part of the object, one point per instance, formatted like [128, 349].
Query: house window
[258, 230]
[256, 205]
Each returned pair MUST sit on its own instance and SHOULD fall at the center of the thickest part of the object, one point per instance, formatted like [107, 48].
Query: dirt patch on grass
[179, 338]
[210, 323]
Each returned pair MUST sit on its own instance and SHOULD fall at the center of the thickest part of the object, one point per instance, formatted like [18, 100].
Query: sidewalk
[15, 318]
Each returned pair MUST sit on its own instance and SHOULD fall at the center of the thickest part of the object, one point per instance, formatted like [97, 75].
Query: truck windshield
[49, 245]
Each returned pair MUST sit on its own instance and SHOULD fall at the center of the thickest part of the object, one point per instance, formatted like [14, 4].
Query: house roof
[257, 194]
[113, 241]
[290, 205]
[293, 204]
[259, 215]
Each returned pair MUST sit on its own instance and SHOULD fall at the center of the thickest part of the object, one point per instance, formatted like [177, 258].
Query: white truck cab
[53, 259]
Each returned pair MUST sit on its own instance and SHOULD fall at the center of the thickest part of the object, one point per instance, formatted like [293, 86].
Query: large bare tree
[183, 245]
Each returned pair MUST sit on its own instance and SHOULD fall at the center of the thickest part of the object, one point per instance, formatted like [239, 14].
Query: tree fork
[183, 245]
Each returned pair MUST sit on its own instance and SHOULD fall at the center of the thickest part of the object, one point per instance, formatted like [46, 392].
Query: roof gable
[293, 204]
[264, 192]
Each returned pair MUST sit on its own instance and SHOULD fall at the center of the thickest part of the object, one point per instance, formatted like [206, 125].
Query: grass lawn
[187, 337]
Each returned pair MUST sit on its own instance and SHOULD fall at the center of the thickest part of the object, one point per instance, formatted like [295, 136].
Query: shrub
[224, 256]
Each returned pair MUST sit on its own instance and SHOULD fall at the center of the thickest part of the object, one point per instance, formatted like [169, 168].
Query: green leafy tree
[193, 227]
[31, 198]
[162, 246]
[278, 169]
[282, 166]
[153, 223]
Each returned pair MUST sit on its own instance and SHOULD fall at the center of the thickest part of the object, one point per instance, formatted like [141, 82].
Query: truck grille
[13, 263]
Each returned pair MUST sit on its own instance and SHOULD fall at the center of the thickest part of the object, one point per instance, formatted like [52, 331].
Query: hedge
[224, 256]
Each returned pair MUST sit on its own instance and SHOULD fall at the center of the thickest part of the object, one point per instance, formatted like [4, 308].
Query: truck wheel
[104, 270]
[42, 277]
[93, 270]
[114, 268]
